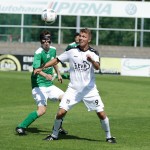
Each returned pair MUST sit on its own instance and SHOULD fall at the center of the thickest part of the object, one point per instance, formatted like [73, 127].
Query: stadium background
[112, 56]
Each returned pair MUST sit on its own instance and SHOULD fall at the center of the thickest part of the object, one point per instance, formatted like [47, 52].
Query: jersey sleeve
[68, 47]
[96, 58]
[55, 54]
[63, 57]
[36, 61]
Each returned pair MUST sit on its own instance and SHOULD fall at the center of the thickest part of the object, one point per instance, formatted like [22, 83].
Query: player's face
[84, 40]
[77, 39]
[45, 43]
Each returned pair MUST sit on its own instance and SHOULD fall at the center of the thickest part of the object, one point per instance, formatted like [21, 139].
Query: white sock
[106, 127]
[56, 127]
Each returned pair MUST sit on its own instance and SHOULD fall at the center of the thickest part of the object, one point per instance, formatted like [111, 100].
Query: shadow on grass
[35, 130]
[61, 136]
[69, 137]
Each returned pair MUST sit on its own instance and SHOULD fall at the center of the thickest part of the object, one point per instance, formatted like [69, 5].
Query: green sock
[30, 118]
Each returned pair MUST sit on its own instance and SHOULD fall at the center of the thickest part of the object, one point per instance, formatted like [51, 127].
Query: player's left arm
[58, 73]
[95, 64]
[47, 76]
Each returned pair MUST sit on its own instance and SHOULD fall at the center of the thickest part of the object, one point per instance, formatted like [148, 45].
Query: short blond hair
[87, 31]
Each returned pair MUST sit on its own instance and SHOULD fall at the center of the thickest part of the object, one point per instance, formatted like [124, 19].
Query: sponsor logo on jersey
[48, 56]
[82, 67]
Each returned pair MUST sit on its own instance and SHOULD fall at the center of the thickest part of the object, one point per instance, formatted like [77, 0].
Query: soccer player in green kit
[71, 45]
[42, 85]
[75, 43]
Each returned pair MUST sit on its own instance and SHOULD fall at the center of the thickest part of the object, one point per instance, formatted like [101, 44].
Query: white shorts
[91, 99]
[42, 94]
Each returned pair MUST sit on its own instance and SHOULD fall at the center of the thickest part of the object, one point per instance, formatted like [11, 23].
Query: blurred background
[120, 29]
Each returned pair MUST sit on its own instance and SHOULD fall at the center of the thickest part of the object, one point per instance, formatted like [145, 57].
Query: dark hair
[44, 33]
[76, 34]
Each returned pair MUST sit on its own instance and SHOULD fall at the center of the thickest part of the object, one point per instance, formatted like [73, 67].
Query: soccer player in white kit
[82, 60]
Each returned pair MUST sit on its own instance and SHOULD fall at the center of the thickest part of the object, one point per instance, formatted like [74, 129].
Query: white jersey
[81, 70]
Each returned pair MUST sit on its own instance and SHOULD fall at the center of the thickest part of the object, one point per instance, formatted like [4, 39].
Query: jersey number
[96, 102]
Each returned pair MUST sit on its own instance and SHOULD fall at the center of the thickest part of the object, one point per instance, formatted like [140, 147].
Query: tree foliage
[121, 30]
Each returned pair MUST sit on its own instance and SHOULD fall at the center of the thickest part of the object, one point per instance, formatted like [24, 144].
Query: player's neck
[46, 49]
[85, 48]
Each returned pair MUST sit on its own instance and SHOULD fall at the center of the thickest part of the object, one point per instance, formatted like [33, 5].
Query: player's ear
[89, 39]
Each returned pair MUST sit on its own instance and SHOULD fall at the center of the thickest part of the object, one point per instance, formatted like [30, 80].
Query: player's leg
[41, 100]
[20, 129]
[105, 126]
[104, 120]
[95, 103]
[57, 124]
[61, 129]
[67, 102]
[54, 93]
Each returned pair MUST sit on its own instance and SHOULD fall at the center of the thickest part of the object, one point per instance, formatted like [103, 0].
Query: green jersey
[71, 45]
[41, 57]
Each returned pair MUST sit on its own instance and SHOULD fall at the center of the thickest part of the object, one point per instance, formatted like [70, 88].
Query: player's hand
[37, 71]
[48, 77]
[60, 78]
[89, 58]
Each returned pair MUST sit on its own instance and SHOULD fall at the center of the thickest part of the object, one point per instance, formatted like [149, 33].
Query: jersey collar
[89, 48]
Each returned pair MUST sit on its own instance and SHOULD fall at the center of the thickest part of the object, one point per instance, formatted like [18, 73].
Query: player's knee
[60, 97]
[101, 115]
[41, 111]
[61, 113]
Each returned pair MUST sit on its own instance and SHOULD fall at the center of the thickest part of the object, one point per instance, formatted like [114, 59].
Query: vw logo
[131, 9]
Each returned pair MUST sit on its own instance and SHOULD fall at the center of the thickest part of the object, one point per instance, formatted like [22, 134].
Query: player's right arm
[47, 76]
[64, 57]
[50, 63]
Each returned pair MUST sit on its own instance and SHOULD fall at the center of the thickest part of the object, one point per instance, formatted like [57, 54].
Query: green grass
[127, 104]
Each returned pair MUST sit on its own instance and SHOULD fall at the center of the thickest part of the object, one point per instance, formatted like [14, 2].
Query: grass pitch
[127, 104]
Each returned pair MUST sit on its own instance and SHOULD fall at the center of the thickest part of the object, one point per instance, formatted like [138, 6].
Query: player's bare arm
[58, 73]
[95, 64]
[53, 62]
[47, 76]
